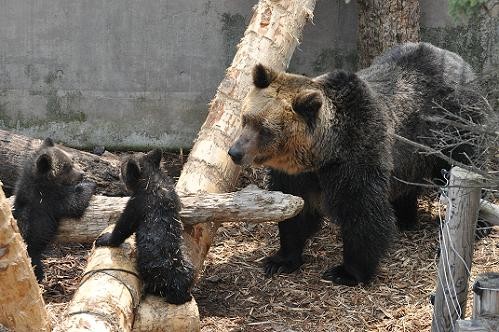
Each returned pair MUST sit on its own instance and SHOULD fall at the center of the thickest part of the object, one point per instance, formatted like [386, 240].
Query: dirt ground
[234, 295]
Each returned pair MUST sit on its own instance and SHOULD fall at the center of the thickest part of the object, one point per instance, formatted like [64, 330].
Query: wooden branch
[156, 315]
[251, 204]
[456, 247]
[442, 156]
[15, 149]
[109, 292]
[21, 303]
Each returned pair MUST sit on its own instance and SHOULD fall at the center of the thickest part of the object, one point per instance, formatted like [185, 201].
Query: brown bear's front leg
[294, 232]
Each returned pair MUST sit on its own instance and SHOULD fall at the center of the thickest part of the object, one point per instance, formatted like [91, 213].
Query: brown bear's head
[279, 121]
[55, 165]
[137, 170]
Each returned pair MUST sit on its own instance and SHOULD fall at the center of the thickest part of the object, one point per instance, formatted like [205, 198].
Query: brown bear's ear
[48, 142]
[263, 76]
[130, 173]
[307, 104]
[154, 157]
[44, 163]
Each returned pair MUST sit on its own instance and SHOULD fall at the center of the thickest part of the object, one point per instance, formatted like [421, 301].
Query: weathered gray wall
[133, 74]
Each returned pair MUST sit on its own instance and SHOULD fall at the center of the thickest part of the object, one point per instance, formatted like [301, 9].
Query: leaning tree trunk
[21, 303]
[384, 23]
[102, 170]
[271, 37]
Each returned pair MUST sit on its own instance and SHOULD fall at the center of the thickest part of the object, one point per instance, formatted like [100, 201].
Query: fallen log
[109, 294]
[102, 170]
[109, 291]
[155, 315]
[21, 303]
[251, 204]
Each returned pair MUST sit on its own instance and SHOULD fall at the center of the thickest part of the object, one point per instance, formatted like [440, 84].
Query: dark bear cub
[153, 214]
[49, 188]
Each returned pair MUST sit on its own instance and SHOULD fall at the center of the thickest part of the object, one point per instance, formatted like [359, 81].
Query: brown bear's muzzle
[243, 151]
[236, 154]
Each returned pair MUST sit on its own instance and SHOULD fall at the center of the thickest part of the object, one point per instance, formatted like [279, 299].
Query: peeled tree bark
[21, 303]
[385, 23]
[271, 38]
[251, 205]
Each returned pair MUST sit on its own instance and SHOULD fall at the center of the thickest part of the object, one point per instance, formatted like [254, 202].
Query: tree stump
[21, 303]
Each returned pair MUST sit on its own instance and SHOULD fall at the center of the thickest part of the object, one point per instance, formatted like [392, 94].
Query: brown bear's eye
[66, 168]
[265, 134]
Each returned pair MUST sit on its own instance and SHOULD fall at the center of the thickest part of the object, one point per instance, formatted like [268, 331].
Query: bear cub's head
[141, 171]
[281, 117]
[52, 164]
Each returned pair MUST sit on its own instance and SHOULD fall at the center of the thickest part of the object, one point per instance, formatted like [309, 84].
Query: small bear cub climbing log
[153, 214]
[50, 188]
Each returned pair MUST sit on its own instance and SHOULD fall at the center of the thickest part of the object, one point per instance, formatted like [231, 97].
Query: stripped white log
[251, 204]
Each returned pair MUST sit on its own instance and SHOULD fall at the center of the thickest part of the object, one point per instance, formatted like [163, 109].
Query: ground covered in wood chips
[234, 295]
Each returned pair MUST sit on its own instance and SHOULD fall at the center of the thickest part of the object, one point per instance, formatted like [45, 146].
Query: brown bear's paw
[277, 264]
[340, 276]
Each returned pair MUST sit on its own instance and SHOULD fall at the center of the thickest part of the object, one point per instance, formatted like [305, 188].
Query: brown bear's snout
[236, 154]
[244, 149]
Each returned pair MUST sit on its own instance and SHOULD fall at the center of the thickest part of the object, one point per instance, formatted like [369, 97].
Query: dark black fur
[359, 161]
[49, 189]
[153, 214]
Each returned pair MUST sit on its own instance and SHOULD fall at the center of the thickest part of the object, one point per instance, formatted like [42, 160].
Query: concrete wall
[135, 74]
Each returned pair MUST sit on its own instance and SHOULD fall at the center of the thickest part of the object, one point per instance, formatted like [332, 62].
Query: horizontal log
[251, 205]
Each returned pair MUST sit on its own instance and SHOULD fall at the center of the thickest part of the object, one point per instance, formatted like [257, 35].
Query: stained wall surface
[136, 74]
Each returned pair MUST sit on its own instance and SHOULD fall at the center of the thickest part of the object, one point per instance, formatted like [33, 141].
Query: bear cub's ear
[154, 157]
[44, 163]
[263, 76]
[130, 173]
[48, 142]
[307, 104]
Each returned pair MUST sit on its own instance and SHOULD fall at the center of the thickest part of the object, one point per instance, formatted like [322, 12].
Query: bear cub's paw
[278, 263]
[340, 276]
[103, 240]
[178, 297]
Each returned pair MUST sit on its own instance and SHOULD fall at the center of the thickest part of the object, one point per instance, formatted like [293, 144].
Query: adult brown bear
[330, 139]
